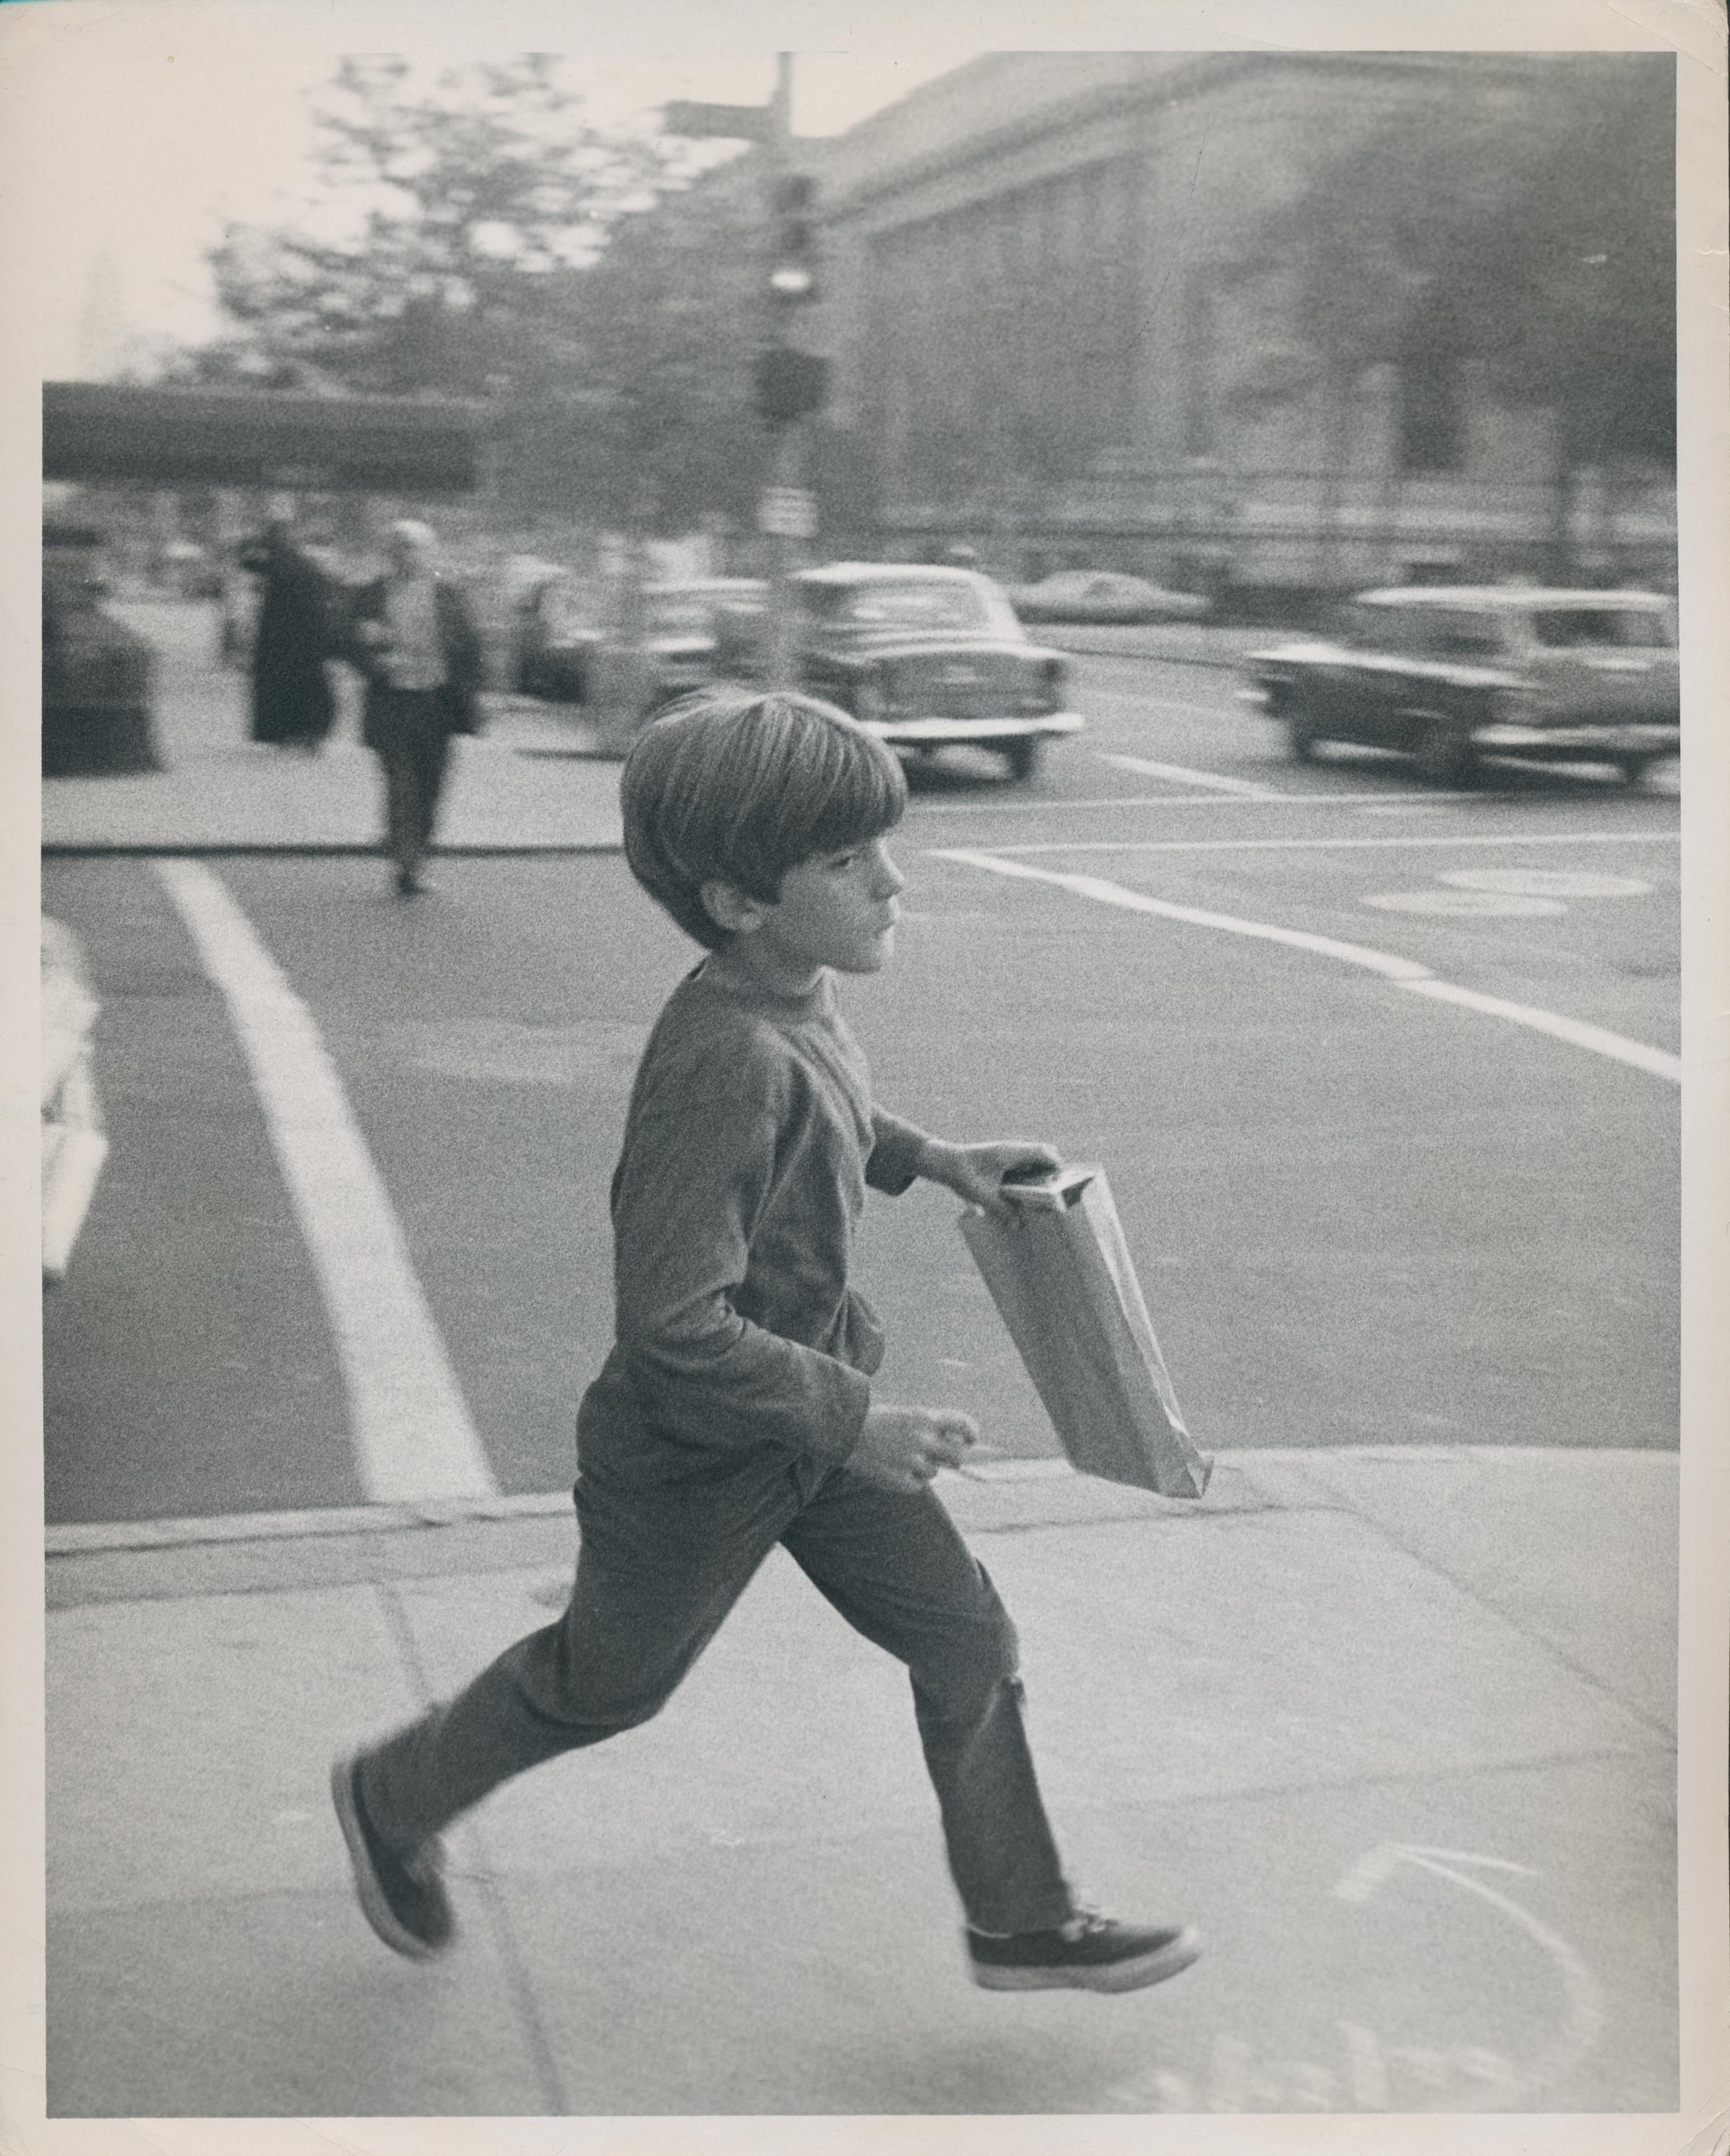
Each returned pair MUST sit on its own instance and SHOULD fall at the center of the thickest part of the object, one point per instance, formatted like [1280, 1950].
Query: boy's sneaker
[1089, 1953]
[401, 1897]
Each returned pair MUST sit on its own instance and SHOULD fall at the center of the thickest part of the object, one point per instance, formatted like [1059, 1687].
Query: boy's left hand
[976, 1173]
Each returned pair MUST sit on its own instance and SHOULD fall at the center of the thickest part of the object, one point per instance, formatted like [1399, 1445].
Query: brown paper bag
[1062, 1280]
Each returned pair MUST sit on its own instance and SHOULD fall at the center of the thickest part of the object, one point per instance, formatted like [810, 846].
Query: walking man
[415, 639]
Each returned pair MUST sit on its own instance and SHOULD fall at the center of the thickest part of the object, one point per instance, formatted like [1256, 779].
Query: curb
[313, 849]
[260, 1552]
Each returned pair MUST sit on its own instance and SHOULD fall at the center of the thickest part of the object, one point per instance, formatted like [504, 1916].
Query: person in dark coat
[292, 700]
[413, 636]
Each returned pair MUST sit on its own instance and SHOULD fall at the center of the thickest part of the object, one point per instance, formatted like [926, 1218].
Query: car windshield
[920, 604]
[1598, 628]
[1448, 634]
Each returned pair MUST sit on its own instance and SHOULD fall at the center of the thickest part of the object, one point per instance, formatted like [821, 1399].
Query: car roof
[1506, 596]
[705, 584]
[899, 572]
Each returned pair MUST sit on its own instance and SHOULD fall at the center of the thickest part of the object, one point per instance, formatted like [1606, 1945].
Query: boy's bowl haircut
[739, 785]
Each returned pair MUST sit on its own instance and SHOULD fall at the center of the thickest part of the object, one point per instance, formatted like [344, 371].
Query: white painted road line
[1575, 1031]
[1215, 782]
[411, 1428]
[1385, 803]
[1276, 846]
[1403, 973]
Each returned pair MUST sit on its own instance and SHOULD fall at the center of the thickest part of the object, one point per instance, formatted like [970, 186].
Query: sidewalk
[532, 782]
[1395, 1726]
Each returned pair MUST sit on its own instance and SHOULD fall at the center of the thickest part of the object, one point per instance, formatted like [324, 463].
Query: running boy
[735, 1409]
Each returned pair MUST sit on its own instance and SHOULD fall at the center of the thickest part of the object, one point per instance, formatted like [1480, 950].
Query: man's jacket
[458, 639]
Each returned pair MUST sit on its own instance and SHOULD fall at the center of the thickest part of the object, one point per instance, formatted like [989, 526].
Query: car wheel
[1023, 757]
[1445, 754]
[1301, 736]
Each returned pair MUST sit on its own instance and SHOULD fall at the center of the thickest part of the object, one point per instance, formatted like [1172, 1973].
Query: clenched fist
[902, 1448]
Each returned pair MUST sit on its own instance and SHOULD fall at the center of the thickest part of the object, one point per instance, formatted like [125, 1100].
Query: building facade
[1059, 327]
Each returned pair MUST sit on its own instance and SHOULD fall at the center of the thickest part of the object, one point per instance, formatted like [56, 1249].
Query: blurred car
[926, 657]
[558, 633]
[189, 571]
[96, 673]
[1102, 595]
[74, 1144]
[1449, 673]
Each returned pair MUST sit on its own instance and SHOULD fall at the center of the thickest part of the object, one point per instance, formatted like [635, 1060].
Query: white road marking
[1456, 904]
[1385, 804]
[411, 1429]
[1403, 972]
[1280, 845]
[1213, 779]
[1574, 1031]
[1546, 883]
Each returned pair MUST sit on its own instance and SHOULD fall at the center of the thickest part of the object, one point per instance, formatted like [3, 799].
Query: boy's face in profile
[837, 909]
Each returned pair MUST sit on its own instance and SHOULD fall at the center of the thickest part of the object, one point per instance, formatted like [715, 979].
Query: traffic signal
[790, 384]
[793, 241]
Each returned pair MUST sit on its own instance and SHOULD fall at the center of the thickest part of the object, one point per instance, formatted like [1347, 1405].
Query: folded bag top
[1061, 1274]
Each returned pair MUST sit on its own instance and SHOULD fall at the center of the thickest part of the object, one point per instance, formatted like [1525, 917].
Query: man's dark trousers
[661, 1564]
[411, 730]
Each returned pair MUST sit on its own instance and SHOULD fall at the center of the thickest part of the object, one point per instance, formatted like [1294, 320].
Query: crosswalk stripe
[411, 1429]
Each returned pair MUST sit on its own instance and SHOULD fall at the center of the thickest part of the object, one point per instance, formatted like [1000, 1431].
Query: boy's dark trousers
[660, 1564]
[411, 732]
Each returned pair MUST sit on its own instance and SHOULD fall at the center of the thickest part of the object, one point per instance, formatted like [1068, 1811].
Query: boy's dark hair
[736, 786]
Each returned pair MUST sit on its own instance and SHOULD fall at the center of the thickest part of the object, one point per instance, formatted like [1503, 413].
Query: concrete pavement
[534, 780]
[1395, 1728]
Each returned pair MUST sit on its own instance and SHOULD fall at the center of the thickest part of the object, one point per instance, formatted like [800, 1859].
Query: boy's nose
[890, 880]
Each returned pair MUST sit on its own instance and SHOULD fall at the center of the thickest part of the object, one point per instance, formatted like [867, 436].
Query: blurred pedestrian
[414, 637]
[292, 703]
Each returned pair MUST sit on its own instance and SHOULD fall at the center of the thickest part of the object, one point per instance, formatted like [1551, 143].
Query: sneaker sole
[375, 1909]
[1133, 1975]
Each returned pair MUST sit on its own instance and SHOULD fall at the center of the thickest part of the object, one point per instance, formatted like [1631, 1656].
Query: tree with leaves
[451, 217]
[1521, 218]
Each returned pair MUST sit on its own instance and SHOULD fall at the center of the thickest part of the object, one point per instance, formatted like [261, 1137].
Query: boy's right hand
[902, 1448]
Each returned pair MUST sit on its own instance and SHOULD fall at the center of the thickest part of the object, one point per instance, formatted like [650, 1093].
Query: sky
[138, 154]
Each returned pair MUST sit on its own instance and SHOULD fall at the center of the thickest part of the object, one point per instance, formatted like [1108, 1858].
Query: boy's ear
[730, 908]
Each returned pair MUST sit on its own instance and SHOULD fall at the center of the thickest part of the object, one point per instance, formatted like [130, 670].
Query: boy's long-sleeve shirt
[749, 1144]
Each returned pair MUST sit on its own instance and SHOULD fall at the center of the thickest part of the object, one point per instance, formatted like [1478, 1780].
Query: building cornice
[1173, 79]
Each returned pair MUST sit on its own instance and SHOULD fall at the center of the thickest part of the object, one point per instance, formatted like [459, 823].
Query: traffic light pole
[791, 382]
[788, 460]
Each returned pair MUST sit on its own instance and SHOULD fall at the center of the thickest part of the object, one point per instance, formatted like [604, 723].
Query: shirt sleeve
[699, 1168]
[894, 1161]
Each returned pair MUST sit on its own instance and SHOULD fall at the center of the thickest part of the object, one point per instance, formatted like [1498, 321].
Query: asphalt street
[1381, 1078]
